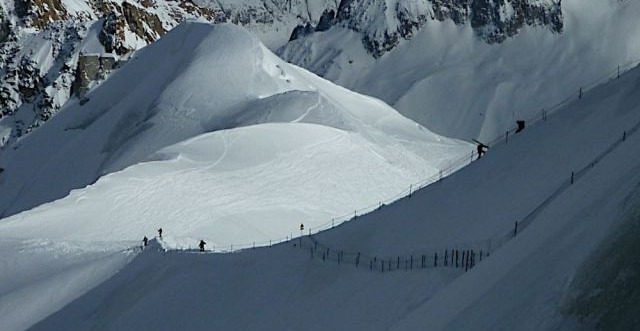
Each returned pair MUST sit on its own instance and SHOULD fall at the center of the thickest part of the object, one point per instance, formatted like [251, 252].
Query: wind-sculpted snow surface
[170, 119]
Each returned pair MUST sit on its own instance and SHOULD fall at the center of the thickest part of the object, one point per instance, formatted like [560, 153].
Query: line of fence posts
[464, 259]
[468, 256]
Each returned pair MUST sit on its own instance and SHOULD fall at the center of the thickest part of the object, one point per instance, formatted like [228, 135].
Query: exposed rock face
[50, 33]
[39, 76]
[327, 20]
[384, 23]
[91, 68]
[493, 20]
[143, 24]
[301, 31]
[5, 27]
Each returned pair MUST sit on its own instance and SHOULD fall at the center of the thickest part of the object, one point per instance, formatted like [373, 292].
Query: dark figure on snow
[201, 245]
[160, 232]
[520, 126]
[145, 241]
[481, 148]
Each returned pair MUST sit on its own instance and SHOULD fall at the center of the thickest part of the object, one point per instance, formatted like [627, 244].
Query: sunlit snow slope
[209, 135]
[574, 264]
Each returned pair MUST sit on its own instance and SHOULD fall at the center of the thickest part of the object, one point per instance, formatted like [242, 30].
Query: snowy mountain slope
[38, 277]
[271, 20]
[384, 24]
[84, 40]
[258, 181]
[526, 285]
[451, 81]
[48, 43]
[51, 51]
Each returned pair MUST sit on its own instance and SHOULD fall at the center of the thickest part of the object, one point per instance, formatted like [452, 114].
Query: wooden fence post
[572, 175]
[468, 260]
[515, 230]
[358, 260]
[463, 253]
[445, 257]
[435, 259]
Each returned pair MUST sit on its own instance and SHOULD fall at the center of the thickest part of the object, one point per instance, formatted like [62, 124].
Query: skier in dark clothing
[160, 232]
[201, 245]
[481, 148]
[520, 125]
[145, 241]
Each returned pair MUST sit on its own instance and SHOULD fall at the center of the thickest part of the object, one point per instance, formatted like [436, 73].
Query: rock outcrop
[384, 23]
[49, 36]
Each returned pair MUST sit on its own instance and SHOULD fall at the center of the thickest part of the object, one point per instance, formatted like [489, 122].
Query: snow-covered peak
[73, 44]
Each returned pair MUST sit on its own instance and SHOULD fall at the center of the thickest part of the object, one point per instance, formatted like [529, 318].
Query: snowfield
[209, 135]
[537, 281]
[226, 143]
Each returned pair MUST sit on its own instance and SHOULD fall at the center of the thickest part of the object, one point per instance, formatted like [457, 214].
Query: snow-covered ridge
[43, 41]
[46, 40]
[227, 142]
[45, 45]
